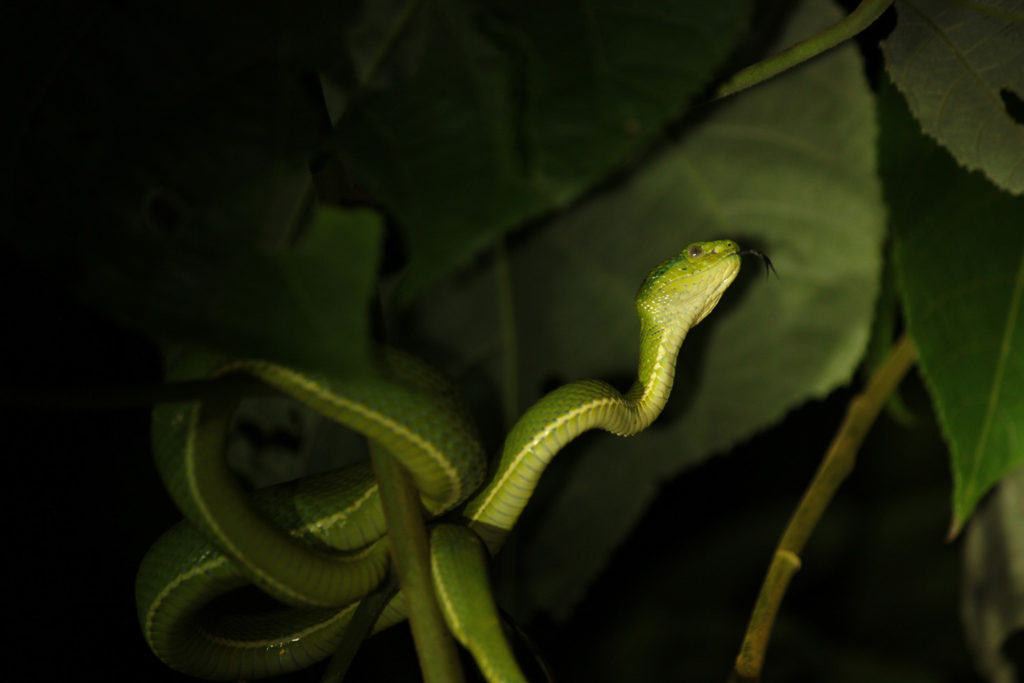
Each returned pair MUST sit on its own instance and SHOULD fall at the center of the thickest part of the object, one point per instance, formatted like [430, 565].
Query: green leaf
[959, 252]
[517, 108]
[307, 305]
[787, 167]
[168, 184]
[959, 66]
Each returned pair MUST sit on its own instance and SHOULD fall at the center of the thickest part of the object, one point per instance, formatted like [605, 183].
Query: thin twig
[509, 340]
[858, 20]
[358, 630]
[837, 465]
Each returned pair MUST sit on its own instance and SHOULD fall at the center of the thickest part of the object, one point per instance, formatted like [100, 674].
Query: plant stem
[397, 27]
[410, 556]
[358, 630]
[858, 20]
[837, 465]
[509, 340]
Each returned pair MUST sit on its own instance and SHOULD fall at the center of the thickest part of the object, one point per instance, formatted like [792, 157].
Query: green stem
[358, 630]
[509, 340]
[858, 20]
[410, 555]
[403, 19]
[837, 465]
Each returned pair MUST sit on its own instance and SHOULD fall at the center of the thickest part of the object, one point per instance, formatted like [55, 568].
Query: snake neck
[659, 347]
[564, 414]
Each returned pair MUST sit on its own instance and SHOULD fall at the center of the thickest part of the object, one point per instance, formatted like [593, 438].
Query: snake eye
[696, 251]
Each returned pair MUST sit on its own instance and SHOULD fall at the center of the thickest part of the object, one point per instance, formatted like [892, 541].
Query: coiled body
[316, 544]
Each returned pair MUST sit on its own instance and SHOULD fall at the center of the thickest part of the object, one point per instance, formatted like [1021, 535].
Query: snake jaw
[713, 298]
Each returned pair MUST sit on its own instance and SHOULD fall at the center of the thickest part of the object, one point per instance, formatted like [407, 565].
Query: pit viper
[318, 544]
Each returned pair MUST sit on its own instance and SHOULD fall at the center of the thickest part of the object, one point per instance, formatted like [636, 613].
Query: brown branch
[837, 465]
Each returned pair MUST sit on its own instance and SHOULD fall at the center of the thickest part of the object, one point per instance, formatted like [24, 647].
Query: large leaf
[788, 168]
[516, 108]
[960, 261]
[960, 66]
[306, 305]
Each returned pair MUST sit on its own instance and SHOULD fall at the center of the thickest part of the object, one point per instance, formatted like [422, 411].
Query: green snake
[318, 544]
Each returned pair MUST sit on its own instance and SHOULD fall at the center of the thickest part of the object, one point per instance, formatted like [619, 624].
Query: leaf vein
[997, 380]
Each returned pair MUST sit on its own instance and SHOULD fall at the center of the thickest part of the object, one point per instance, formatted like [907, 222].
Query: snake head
[684, 289]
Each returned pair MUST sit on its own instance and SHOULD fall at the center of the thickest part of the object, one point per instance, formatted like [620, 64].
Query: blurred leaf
[517, 108]
[164, 172]
[306, 306]
[959, 254]
[958, 64]
[993, 596]
[788, 168]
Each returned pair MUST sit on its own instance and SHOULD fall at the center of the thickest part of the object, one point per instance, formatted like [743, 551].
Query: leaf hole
[1014, 104]
[164, 212]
